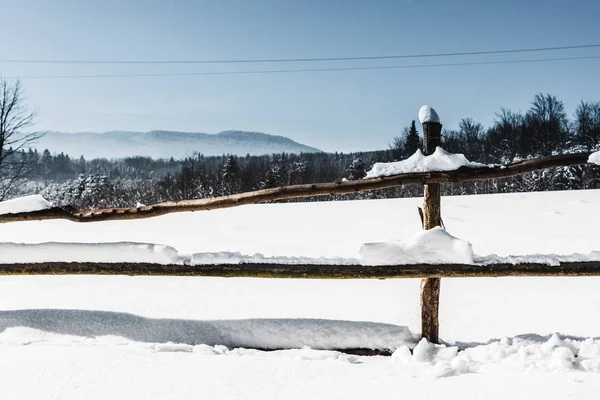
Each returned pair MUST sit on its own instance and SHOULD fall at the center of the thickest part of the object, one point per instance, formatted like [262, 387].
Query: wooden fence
[431, 217]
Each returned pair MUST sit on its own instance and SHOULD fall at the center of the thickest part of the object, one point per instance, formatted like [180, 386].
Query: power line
[281, 71]
[283, 60]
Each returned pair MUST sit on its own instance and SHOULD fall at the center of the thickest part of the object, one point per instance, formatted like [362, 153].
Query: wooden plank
[308, 271]
[463, 174]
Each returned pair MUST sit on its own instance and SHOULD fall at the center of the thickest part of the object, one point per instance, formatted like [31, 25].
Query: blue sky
[343, 110]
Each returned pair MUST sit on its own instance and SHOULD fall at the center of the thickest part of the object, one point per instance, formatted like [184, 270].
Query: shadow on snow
[249, 333]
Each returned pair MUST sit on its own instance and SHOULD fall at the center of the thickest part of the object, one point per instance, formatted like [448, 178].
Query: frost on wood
[428, 114]
[434, 246]
[440, 160]
[24, 204]
[594, 158]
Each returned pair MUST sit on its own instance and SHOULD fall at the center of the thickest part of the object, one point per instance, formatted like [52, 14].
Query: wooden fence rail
[308, 271]
[464, 174]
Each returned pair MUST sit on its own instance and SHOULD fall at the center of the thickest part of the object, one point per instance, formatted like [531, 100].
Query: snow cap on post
[432, 130]
[428, 114]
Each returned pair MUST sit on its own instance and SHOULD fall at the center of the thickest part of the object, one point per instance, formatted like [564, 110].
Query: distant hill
[166, 144]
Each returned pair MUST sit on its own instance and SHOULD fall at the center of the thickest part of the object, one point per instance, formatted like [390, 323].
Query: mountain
[166, 144]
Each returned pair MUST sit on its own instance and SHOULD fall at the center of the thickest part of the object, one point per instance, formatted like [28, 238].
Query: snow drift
[554, 352]
[43, 325]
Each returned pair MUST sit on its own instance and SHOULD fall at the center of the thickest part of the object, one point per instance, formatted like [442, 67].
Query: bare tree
[14, 118]
[548, 125]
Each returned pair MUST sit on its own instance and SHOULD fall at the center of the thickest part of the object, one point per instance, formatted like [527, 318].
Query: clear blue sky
[344, 111]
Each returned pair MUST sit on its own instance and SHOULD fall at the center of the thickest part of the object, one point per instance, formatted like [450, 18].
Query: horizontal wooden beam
[307, 271]
[463, 174]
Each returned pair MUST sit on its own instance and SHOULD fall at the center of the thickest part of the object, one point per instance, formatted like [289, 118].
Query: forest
[544, 129]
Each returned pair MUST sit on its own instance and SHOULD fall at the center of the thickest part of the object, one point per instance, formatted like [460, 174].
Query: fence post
[430, 287]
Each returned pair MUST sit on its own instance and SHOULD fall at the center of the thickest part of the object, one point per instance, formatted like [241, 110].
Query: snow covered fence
[430, 168]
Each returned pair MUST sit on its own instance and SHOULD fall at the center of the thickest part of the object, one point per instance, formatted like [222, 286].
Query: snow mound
[428, 114]
[179, 335]
[594, 158]
[522, 353]
[434, 246]
[24, 204]
[14, 253]
[440, 160]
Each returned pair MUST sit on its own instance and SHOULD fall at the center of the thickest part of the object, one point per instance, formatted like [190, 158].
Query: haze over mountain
[166, 144]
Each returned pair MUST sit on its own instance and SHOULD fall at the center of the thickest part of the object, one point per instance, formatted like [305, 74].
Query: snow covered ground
[73, 337]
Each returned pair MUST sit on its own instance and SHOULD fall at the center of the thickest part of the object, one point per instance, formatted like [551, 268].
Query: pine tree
[230, 169]
[46, 162]
[356, 170]
[230, 175]
[412, 141]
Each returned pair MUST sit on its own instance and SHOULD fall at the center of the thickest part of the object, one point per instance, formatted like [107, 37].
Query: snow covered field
[73, 337]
